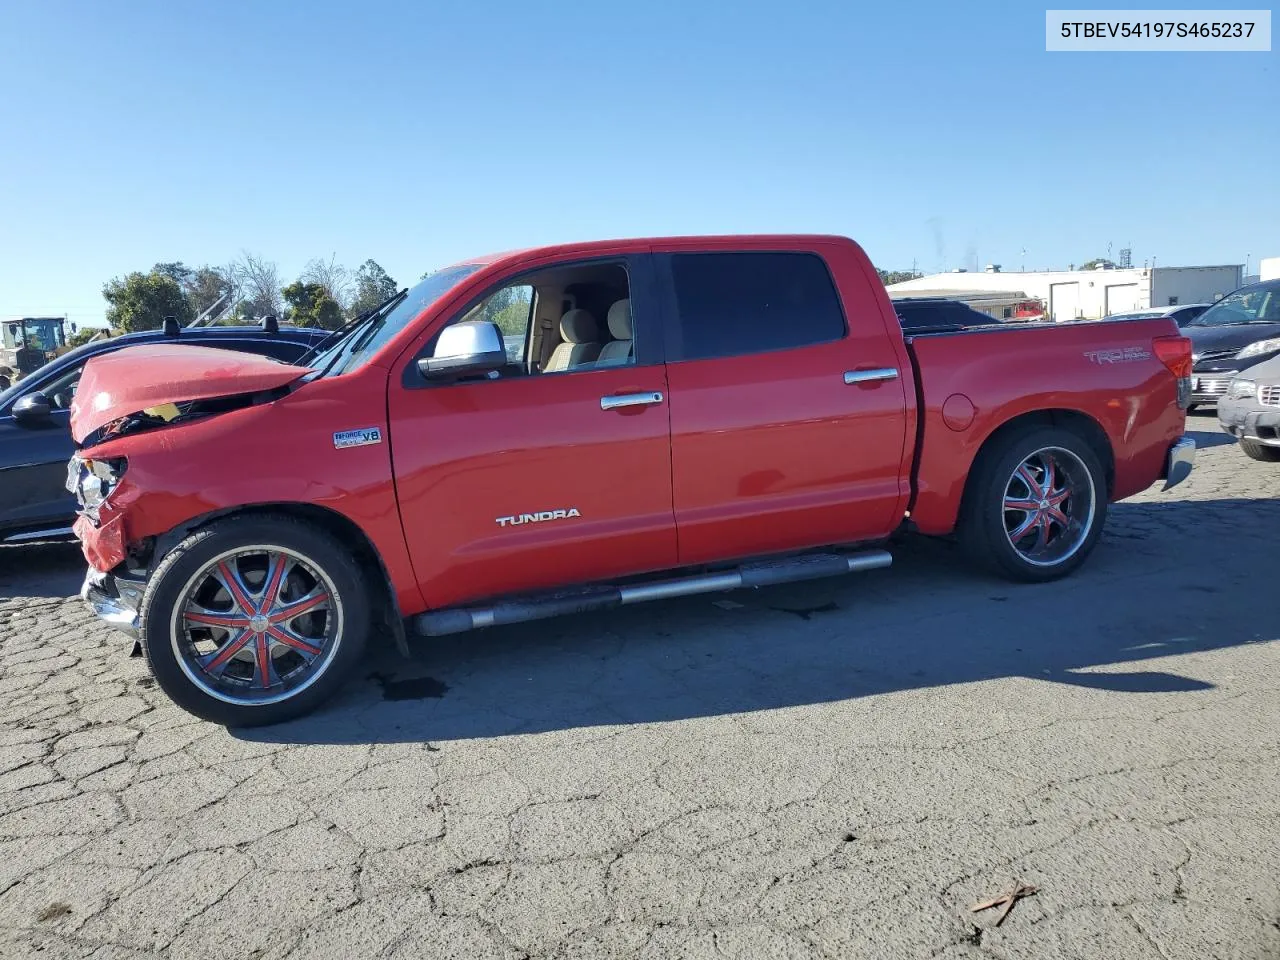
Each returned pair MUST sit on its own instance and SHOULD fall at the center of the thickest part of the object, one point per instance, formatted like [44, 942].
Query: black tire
[1260, 451]
[158, 616]
[982, 526]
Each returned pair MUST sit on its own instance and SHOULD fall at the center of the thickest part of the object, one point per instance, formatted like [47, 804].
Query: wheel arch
[341, 527]
[1076, 421]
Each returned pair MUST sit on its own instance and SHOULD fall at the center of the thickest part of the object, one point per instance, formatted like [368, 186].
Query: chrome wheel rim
[257, 625]
[1049, 503]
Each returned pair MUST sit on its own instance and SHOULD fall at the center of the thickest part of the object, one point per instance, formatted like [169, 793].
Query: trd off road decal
[1118, 355]
[357, 438]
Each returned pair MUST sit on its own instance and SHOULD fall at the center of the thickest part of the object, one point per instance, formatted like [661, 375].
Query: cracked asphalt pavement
[833, 769]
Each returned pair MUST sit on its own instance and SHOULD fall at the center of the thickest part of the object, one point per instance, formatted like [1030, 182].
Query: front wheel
[254, 620]
[1259, 451]
[1035, 505]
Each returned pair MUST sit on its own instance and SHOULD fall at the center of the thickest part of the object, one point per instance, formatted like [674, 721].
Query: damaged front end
[114, 402]
[113, 586]
[119, 564]
[170, 414]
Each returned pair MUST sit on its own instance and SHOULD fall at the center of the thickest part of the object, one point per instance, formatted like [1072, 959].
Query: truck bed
[969, 381]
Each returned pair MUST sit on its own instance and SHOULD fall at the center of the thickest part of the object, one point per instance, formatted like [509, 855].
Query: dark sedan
[1240, 330]
[35, 439]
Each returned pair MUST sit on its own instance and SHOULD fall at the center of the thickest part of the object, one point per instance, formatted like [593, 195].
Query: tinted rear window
[914, 316]
[736, 303]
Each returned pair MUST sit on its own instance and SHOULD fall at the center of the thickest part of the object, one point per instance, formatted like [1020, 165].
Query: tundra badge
[537, 517]
[357, 438]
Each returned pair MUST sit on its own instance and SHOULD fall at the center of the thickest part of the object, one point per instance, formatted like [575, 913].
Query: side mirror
[464, 350]
[32, 409]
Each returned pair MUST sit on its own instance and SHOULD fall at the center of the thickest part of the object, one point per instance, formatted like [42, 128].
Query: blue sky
[420, 133]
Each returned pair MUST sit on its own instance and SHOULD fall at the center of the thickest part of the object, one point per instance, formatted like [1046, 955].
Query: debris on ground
[1008, 900]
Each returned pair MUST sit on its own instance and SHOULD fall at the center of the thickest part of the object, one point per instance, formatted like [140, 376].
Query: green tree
[509, 309]
[141, 301]
[309, 305]
[83, 336]
[177, 270]
[205, 285]
[373, 285]
[897, 276]
[1095, 263]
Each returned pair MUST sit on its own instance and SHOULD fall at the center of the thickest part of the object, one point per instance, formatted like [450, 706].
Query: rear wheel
[1035, 505]
[1260, 451]
[254, 620]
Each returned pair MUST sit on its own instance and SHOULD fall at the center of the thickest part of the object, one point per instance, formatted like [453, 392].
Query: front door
[558, 469]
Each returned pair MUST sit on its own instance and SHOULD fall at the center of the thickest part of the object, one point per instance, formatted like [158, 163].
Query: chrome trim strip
[870, 376]
[460, 619]
[630, 400]
[1182, 457]
[709, 583]
[39, 535]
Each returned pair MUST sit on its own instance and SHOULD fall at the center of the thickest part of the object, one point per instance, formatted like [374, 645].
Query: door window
[729, 304]
[62, 390]
[560, 320]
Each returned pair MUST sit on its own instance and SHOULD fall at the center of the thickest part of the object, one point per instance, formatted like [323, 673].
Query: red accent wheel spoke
[1024, 527]
[292, 640]
[226, 620]
[263, 670]
[1027, 505]
[1050, 476]
[1032, 485]
[291, 610]
[1042, 531]
[217, 661]
[231, 580]
[276, 566]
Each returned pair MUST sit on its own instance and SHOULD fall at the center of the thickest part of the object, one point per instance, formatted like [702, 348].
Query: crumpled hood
[139, 378]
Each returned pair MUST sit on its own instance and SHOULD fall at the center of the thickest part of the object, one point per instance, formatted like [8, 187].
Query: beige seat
[621, 349]
[581, 336]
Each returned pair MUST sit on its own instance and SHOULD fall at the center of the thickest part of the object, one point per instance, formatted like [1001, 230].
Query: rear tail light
[1175, 353]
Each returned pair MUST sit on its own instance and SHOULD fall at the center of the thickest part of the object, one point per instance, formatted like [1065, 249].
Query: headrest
[620, 320]
[579, 326]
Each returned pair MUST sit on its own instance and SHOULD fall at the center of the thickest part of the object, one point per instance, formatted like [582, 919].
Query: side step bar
[809, 567]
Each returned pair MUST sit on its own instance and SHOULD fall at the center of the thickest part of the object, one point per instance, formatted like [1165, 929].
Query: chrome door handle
[630, 400]
[870, 376]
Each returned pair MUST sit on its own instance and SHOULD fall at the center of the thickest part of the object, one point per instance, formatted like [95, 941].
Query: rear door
[788, 410]
[537, 479]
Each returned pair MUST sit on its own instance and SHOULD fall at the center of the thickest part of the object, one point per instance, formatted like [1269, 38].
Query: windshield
[1259, 303]
[364, 340]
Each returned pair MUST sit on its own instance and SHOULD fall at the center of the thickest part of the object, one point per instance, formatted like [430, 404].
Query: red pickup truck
[584, 426]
